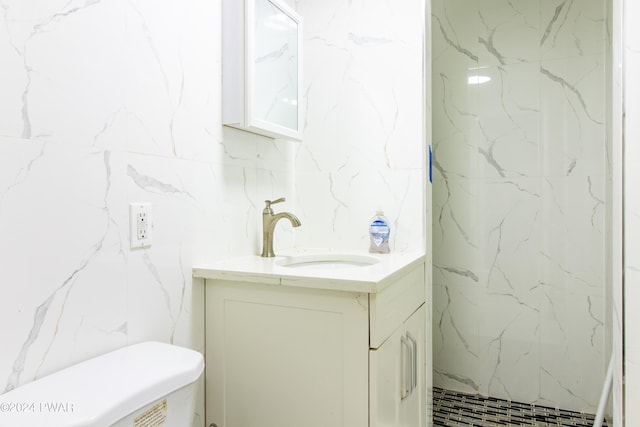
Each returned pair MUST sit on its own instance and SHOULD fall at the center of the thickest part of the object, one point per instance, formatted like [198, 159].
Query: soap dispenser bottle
[379, 232]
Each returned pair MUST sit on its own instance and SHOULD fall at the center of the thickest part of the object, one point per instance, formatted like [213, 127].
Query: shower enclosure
[521, 199]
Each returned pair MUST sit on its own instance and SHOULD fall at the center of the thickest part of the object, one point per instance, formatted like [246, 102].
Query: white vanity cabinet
[290, 356]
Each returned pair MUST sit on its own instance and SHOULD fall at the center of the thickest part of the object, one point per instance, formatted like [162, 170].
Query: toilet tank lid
[102, 390]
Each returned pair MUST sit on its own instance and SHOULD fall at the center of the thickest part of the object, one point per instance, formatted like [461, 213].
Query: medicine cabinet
[261, 68]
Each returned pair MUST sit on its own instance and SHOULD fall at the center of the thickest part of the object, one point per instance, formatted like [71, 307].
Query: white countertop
[367, 279]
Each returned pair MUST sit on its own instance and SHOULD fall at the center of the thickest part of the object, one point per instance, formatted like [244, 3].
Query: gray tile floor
[453, 409]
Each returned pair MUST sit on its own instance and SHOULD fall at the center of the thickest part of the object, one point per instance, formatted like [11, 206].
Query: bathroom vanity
[315, 341]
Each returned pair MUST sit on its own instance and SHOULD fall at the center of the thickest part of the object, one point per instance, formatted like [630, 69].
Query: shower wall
[519, 199]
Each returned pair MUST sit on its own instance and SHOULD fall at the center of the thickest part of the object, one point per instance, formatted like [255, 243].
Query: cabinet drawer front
[391, 307]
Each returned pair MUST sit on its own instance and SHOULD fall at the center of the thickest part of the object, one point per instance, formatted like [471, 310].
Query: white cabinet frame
[239, 71]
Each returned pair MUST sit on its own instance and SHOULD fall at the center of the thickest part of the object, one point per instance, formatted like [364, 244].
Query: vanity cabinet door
[397, 376]
[413, 406]
[279, 356]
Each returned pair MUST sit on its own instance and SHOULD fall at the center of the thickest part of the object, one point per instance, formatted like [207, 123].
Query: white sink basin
[327, 261]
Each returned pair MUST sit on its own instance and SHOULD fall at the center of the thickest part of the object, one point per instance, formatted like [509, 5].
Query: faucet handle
[267, 208]
[280, 200]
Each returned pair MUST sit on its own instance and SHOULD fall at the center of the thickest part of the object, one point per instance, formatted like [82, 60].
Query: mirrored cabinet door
[262, 62]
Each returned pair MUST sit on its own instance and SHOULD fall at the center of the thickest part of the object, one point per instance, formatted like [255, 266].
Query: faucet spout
[269, 221]
[291, 217]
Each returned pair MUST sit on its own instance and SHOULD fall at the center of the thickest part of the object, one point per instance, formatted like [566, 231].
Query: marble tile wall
[519, 199]
[364, 139]
[107, 103]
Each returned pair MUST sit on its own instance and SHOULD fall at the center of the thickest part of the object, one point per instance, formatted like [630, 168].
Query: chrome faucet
[269, 221]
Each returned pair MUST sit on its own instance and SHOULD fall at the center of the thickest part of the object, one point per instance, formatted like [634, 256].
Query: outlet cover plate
[140, 225]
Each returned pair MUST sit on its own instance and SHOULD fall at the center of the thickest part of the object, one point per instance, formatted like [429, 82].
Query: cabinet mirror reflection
[275, 60]
[262, 63]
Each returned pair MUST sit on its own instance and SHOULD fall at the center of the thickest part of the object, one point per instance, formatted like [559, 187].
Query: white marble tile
[456, 354]
[455, 155]
[64, 98]
[455, 234]
[455, 133]
[572, 328]
[60, 230]
[509, 353]
[508, 234]
[508, 32]
[572, 122]
[455, 33]
[572, 251]
[508, 121]
[240, 148]
[570, 29]
[159, 276]
[156, 77]
[363, 147]
[336, 208]
[171, 86]
[14, 85]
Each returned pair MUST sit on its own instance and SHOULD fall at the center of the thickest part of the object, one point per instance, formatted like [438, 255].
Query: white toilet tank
[149, 384]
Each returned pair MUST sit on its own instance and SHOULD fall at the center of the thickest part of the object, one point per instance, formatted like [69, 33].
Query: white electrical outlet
[140, 225]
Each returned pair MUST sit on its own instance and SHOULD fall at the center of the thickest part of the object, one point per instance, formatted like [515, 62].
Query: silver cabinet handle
[405, 368]
[414, 362]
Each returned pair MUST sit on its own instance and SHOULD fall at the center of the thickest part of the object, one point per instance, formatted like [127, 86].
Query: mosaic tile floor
[453, 409]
